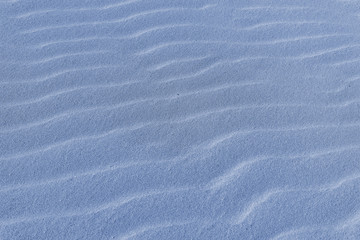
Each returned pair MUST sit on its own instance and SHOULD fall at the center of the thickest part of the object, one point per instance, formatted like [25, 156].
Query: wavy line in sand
[235, 172]
[214, 185]
[119, 105]
[292, 232]
[252, 206]
[100, 8]
[256, 43]
[60, 73]
[154, 227]
[60, 116]
[212, 144]
[58, 57]
[95, 209]
[165, 27]
[119, 20]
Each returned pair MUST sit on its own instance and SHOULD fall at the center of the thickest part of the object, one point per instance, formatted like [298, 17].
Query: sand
[179, 119]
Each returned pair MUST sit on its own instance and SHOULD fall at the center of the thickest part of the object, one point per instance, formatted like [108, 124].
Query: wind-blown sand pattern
[179, 119]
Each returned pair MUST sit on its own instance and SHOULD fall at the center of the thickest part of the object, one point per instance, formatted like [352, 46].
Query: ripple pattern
[134, 119]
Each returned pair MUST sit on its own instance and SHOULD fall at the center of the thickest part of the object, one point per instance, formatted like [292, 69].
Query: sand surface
[179, 119]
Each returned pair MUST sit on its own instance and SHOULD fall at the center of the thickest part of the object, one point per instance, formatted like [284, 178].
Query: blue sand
[181, 119]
